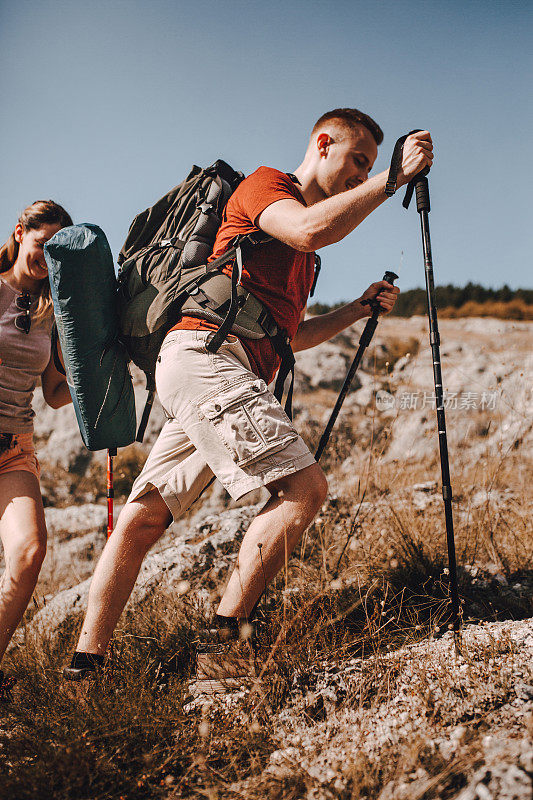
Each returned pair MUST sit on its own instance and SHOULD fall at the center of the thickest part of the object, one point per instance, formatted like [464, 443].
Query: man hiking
[221, 418]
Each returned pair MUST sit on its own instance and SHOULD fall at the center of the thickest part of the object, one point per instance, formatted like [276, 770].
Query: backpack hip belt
[210, 299]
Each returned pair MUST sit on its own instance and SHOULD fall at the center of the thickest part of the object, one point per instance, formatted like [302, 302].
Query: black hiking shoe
[83, 666]
[228, 629]
[223, 667]
[6, 688]
[226, 658]
[79, 674]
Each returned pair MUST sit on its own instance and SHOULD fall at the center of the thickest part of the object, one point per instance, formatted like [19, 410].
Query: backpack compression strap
[282, 346]
[176, 243]
[233, 310]
[318, 267]
[209, 302]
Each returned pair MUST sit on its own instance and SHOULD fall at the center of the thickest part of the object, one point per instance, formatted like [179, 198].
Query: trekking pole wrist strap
[395, 164]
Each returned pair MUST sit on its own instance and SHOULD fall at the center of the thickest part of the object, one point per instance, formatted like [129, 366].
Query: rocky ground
[389, 413]
[344, 722]
[415, 718]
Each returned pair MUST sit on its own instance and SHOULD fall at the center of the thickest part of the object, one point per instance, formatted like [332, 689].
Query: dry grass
[369, 577]
[128, 463]
[60, 485]
[396, 349]
[355, 633]
[512, 309]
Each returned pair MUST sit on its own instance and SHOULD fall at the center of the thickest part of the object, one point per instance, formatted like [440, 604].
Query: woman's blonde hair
[40, 213]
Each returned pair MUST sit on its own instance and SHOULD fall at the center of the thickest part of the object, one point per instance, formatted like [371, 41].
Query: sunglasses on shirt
[23, 303]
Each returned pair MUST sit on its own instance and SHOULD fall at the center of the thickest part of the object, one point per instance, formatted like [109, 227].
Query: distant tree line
[413, 301]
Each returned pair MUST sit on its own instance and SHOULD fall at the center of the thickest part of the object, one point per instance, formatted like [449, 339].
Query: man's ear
[19, 230]
[323, 142]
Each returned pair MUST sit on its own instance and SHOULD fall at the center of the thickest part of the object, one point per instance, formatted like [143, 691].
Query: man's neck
[309, 188]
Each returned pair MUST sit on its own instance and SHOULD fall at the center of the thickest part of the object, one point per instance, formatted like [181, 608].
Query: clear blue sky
[106, 105]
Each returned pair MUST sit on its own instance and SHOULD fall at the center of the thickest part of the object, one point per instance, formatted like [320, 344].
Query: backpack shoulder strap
[236, 251]
[150, 386]
[55, 350]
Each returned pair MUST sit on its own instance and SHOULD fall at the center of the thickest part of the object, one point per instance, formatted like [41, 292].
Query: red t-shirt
[279, 276]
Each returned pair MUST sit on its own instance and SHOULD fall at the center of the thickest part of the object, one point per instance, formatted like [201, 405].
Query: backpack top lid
[171, 213]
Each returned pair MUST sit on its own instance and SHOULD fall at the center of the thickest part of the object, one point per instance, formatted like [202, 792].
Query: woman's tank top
[23, 358]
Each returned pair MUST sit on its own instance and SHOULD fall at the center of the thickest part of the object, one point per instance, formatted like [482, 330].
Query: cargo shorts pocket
[248, 419]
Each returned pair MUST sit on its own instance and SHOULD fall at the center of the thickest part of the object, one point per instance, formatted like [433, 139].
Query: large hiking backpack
[164, 270]
[167, 246]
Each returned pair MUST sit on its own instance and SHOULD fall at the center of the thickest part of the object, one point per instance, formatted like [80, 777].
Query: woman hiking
[26, 317]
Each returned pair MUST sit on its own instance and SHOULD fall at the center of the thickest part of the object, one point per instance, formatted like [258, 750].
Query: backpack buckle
[258, 237]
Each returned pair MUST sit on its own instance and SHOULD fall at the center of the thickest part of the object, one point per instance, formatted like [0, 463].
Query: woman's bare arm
[54, 385]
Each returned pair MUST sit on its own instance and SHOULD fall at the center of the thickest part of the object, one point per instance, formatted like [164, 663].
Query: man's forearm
[330, 220]
[319, 329]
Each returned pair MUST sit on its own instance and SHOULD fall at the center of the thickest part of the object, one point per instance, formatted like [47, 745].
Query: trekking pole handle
[421, 185]
[390, 277]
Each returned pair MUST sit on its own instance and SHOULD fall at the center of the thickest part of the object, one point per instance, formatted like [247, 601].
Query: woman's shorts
[20, 455]
[221, 421]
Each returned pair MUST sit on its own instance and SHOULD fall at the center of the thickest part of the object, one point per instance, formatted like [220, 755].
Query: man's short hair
[349, 117]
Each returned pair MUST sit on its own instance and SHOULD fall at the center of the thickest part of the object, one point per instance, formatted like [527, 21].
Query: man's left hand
[385, 293]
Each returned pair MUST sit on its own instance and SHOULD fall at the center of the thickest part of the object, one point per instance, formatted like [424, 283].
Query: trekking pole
[364, 341]
[421, 187]
[419, 184]
[110, 491]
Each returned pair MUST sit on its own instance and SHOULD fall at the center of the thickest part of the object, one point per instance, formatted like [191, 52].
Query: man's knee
[318, 486]
[143, 521]
[308, 487]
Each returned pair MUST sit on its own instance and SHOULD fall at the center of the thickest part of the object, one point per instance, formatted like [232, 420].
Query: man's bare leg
[140, 524]
[278, 527]
[294, 503]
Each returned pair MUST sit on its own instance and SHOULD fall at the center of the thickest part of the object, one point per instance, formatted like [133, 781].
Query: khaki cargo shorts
[221, 421]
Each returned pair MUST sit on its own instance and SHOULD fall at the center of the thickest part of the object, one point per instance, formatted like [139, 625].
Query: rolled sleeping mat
[83, 286]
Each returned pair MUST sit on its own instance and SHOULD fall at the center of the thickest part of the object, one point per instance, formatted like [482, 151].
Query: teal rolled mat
[83, 286]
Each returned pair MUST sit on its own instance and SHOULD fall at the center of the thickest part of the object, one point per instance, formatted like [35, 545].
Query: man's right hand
[417, 154]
